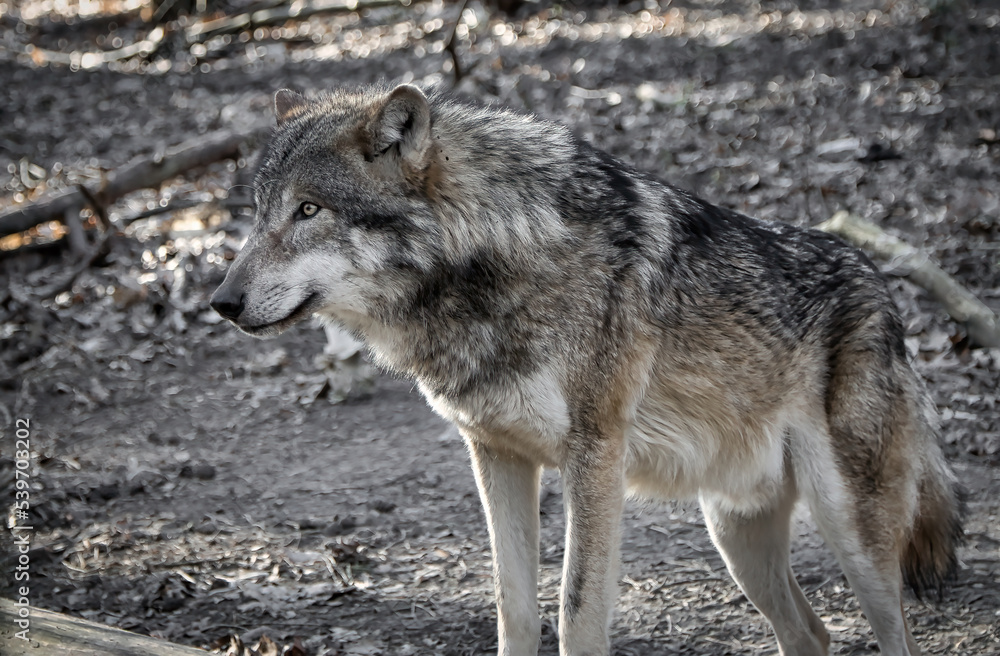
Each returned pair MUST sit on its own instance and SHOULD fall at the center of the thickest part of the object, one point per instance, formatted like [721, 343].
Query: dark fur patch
[453, 303]
[460, 290]
[574, 591]
[397, 224]
[604, 196]
[931, 556]
[616, 174]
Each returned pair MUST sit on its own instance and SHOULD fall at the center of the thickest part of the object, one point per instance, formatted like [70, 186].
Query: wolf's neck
[500, 157]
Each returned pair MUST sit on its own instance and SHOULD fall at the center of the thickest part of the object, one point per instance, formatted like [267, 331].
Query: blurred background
[194, 484]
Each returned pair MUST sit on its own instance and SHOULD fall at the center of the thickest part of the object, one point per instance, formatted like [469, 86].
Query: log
[980, 321]
[55, 634]
[148, 171]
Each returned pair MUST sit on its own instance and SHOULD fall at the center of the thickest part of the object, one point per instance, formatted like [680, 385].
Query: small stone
[383, 506]
[104, 492]
[200, 471]
[208, 528]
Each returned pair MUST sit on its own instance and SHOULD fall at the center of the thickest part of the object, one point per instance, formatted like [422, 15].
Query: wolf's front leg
[594, 494]
[508, 487]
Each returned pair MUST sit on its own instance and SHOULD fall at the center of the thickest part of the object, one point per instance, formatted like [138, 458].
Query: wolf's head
[342, 211]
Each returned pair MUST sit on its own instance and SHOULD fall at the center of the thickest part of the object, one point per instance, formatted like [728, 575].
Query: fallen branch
[278, 15]
[981, 322]
[199, 32]
[140, 173]
[90, 59]
[48, 24]
[45, 247]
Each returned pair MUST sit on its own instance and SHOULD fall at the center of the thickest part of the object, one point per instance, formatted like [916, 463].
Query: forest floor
[192, 483]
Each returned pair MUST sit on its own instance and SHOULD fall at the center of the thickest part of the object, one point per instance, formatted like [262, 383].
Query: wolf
[567, 311]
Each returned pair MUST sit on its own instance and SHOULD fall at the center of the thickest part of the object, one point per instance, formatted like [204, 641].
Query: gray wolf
[567, 311]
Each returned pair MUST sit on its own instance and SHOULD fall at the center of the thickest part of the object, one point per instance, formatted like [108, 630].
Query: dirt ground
[193, 483]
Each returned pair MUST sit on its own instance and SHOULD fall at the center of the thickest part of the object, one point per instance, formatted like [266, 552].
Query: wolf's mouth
[301, 311]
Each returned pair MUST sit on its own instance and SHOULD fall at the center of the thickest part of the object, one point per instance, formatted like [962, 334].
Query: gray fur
[565, 310]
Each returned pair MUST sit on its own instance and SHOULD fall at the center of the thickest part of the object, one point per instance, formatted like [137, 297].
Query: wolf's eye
[308, 209]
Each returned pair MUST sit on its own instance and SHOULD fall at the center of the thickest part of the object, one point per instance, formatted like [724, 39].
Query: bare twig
[100, 211]
[451, 47]
[981, 322]
[162, 10]
[74, 231]
[172, 206]
[65, 283]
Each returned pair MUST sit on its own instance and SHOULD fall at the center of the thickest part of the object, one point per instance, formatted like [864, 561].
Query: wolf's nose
[227, 303]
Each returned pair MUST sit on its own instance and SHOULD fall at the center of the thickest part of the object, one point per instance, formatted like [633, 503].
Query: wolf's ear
[287, 103]
[404, 120]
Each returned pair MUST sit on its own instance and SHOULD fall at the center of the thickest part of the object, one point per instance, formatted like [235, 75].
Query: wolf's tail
[930, 558]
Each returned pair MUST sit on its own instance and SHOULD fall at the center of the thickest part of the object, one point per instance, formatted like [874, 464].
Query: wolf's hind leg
[872, 569]
[863, 488]
[755, 547]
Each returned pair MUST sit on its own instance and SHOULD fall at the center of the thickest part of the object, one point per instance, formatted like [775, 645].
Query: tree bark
[55, 634]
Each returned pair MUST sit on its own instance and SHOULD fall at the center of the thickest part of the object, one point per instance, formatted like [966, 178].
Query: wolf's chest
[530, 419]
